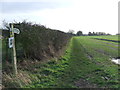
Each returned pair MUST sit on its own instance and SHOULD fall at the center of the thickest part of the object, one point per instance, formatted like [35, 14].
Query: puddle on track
[116, 61]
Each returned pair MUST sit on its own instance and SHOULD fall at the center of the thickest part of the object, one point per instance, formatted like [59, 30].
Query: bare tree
[71, 31]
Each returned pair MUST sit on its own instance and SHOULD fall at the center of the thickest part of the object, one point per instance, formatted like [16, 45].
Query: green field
[86, 64]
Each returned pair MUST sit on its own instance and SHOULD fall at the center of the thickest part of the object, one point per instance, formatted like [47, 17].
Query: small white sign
[16, 30]
[11, 42]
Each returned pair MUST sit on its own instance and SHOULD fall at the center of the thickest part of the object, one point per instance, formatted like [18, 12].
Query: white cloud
[85, 15]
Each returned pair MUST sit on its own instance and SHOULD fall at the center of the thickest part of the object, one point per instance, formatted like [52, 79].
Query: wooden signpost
[12, 45]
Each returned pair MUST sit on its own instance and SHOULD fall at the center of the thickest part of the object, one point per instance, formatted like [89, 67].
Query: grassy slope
[85, 59]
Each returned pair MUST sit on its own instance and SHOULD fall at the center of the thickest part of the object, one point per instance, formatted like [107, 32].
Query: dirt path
[76, 74]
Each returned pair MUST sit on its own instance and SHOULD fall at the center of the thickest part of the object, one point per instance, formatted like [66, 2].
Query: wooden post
[14, 61]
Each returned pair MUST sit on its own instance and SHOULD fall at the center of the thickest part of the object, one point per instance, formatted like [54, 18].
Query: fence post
[14, 61]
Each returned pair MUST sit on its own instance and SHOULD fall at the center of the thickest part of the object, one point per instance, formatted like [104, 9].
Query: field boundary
[107, 40]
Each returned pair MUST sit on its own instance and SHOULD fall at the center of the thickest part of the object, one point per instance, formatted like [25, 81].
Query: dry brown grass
[12, 81]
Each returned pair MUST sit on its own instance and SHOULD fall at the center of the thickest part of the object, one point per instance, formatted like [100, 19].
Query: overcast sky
[84, 15]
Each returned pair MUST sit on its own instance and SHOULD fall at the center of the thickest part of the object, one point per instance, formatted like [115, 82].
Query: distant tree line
[97, 33]
[80, 33]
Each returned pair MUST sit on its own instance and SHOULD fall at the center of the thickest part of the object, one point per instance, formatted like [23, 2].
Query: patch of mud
[81, 83]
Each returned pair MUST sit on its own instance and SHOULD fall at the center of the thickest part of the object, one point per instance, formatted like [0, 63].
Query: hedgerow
[38, 42]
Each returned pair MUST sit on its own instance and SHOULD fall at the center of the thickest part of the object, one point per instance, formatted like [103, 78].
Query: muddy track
[107, 40]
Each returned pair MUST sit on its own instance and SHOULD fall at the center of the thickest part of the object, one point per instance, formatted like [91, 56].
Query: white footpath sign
[16, 30]
[11, 42]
